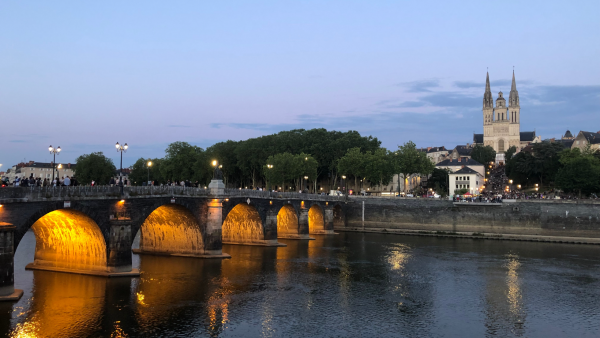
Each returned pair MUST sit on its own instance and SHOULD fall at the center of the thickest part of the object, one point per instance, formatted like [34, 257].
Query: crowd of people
[39, 182]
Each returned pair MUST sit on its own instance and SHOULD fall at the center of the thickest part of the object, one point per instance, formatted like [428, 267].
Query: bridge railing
[98, 192]
[278, 194]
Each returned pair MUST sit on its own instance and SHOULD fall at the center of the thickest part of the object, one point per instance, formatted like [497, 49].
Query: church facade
[502, 123]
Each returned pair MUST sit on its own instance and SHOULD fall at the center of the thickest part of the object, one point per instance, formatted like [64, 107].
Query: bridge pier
[7, 265]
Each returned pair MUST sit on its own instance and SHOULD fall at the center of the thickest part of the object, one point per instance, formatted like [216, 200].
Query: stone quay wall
[533, 217]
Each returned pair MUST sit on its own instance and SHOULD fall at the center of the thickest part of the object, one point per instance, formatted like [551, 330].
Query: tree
[438, 181]
[140, 172]
[379, 166]
[579, 174]
[548, 153]
[94, 167]
[180, 162]
[411, 161]
[484, 154]
[353, 163]
[510, 152]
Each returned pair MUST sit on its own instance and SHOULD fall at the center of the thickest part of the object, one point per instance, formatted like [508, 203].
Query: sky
[84, 75]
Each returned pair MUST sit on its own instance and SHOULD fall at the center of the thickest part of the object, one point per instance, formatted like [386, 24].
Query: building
[466, 178]
[502, 123]
[39, 169]
[463, 152]
[435, 154]
[585, 138]
[456, 165]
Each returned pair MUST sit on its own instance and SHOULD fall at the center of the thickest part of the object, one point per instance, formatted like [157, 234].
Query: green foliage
[484, 154]
[580, 172]
[461, 191]
[376, 167]
[410, 161]
[140, 171]
[438, 181]
[243, 160]
[185, 162]
[288, 168]
[541, 165]
[94, 167]
[509, 153]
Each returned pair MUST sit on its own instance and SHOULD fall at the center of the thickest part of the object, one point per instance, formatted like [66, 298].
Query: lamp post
[306, 179]
[121, 149]
[58, 174]
[54, 151]
[344, 183]
[269, 166]
[148, 165]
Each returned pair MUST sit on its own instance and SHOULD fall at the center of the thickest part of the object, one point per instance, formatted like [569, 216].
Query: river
[346, 285]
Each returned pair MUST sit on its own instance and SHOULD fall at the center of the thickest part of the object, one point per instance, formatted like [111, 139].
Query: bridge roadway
[90, 230]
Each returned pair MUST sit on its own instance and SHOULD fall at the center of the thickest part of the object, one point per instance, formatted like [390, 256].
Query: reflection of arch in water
[68, 240]
[172, 229]
[288, 225]
[243, 225]
[55, 294]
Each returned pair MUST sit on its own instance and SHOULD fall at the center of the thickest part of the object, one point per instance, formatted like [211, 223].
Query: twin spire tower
[501, 124]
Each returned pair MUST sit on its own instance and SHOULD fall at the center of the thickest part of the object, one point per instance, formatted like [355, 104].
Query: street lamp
[58, 174]
[306, 179]
[344, 183]
[148, 165]
[121, 149]
[54, 151]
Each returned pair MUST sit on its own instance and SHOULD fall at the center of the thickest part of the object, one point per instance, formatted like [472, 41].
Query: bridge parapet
[25, 194]
[281, 195]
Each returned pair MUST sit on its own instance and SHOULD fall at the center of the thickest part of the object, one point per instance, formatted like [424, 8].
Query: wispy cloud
[178, 126]
[421, 86]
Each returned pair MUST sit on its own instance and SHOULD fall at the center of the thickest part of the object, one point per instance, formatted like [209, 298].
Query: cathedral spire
[513, 98]
[488, 102]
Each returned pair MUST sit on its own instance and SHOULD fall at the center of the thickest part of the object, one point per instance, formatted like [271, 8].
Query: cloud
[422, 86]
[178, 126]
[17, 141]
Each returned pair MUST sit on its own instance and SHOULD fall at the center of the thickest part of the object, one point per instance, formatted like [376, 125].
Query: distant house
[585, 138]
[466, 178]
[460, 163]
[463, 152]
[435, 154]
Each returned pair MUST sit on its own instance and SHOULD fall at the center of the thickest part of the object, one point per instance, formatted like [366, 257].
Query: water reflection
[62, 304]
[350, 285]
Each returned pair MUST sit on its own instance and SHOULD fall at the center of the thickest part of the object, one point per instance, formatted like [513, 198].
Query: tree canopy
[94, 167]
[483, 154]
[411, 161]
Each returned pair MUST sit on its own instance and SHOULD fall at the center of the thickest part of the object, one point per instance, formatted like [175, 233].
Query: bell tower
[513, 102]
[488, 109]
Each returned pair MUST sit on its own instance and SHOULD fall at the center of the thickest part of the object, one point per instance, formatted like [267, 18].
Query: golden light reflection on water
[63, 305]
[398, 257]
[315, 219]
[69, 239]
[171, 229]
[287, 220]
[243, 225]
[514, 286]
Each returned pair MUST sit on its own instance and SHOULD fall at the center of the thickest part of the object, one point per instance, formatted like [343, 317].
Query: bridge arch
[68, 239]
[316, 220]
[287, 222]
[171, 229]
[243, 225]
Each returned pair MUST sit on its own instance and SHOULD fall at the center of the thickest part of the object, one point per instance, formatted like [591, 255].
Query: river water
[347, 285]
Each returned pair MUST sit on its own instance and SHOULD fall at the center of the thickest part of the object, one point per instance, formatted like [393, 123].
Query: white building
[466, 178]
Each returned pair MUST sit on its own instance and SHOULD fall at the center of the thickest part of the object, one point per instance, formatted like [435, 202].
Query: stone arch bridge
[91, 230]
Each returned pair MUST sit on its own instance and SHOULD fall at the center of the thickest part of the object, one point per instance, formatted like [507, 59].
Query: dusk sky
[85, 74]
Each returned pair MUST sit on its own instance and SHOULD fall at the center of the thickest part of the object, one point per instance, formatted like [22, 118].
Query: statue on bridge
[217, 174]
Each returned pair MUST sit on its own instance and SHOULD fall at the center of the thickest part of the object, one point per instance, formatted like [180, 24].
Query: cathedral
[501, 124]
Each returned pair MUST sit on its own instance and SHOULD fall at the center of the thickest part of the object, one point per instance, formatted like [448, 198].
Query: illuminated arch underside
[287, 221]
[243, 226]
[316, 223]
[171, 229]
[69, 239]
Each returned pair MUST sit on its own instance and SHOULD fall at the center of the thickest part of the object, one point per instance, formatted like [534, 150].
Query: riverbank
[476, 235]
[545, 221]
